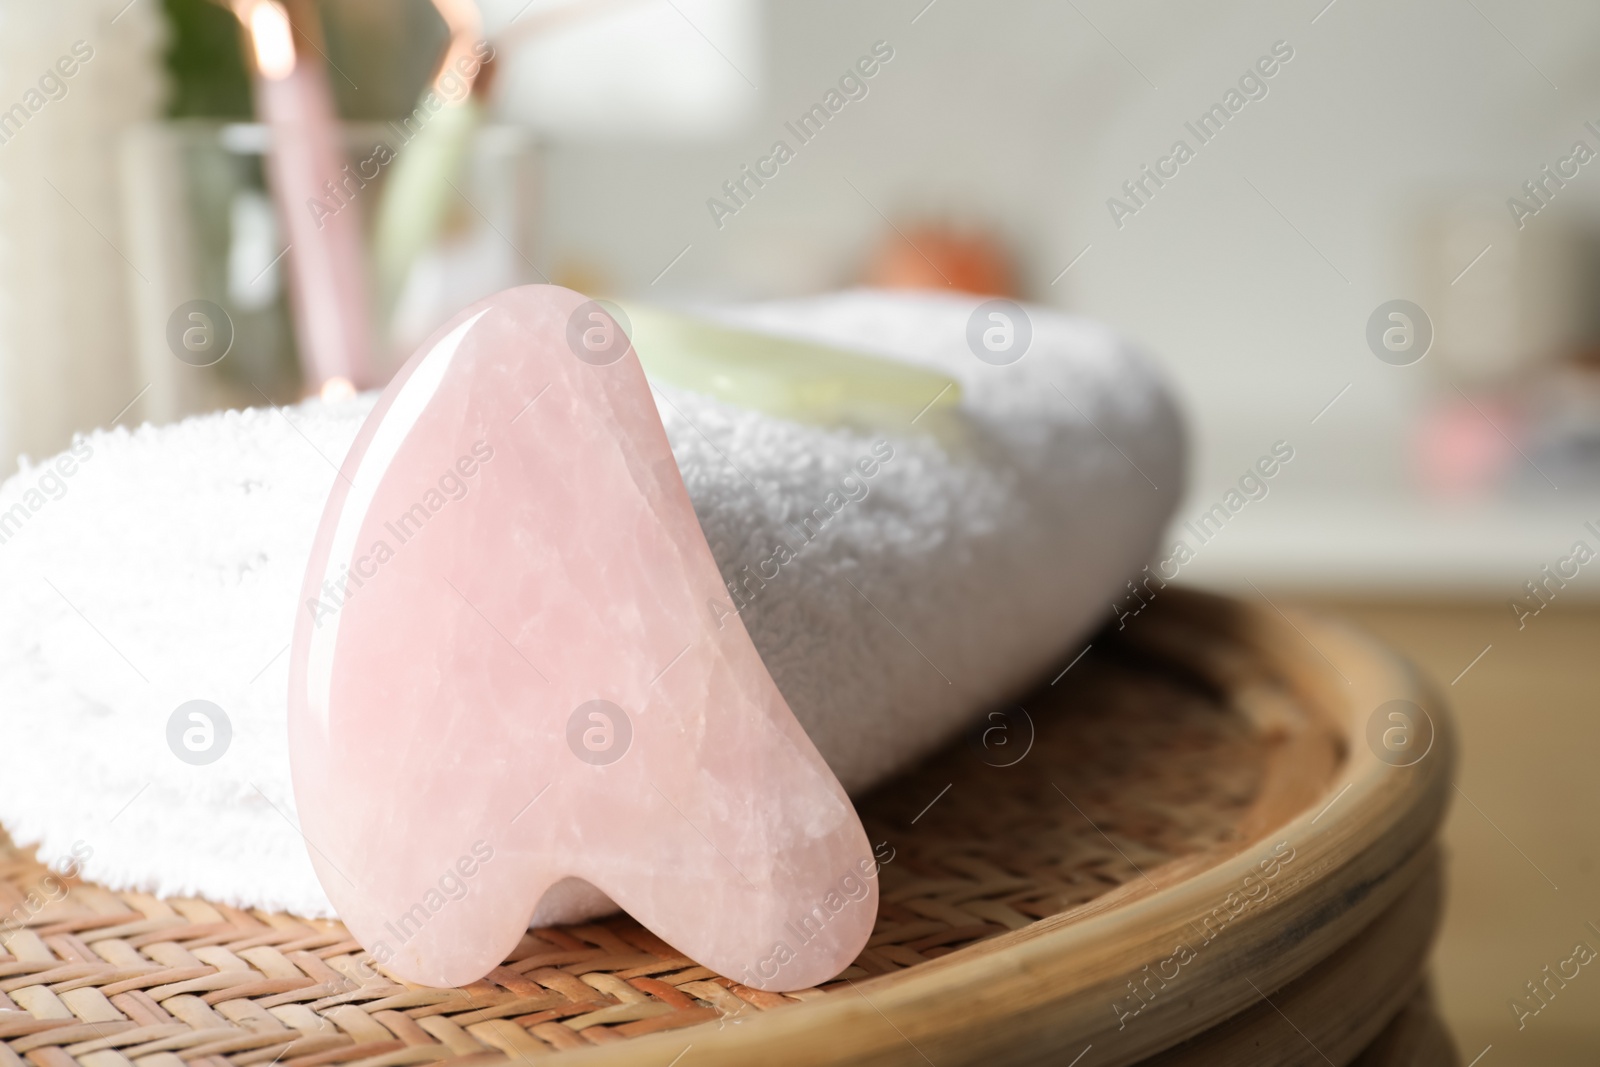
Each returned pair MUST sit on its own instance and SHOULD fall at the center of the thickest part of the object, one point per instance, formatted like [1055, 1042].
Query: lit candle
[328, 289]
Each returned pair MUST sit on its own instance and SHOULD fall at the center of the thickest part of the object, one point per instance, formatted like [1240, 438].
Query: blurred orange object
[935, 257]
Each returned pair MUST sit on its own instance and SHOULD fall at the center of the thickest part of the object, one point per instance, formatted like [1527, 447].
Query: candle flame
[337, 389]
[273, 39]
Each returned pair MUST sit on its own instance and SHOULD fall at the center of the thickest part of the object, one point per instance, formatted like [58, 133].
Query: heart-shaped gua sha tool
[515, 664]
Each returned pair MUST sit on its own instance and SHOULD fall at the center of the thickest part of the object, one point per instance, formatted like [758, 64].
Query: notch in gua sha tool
[512, 665]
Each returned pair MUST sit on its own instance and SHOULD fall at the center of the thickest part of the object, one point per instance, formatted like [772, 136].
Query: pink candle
[327, 274]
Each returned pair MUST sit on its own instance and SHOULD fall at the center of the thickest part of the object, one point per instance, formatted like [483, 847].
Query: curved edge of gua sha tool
[515, 663]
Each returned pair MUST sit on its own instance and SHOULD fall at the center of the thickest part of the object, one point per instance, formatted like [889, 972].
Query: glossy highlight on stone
[514, 663]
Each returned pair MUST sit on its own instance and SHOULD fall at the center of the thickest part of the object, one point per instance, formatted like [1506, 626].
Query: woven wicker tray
[1198, 779]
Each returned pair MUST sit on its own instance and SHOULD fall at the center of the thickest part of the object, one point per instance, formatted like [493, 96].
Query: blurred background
[1436, 152]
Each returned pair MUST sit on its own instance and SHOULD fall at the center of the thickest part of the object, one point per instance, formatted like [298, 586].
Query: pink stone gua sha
[509, 542]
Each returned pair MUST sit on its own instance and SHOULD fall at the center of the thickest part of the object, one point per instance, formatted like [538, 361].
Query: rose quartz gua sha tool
[514, 663]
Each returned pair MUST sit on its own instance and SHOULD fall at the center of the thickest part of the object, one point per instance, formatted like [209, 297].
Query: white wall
[1021, 115]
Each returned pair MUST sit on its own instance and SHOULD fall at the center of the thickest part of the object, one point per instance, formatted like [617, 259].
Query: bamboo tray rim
[1358, 847]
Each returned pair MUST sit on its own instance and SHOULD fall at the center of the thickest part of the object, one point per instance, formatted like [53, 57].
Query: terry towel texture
[163, 565]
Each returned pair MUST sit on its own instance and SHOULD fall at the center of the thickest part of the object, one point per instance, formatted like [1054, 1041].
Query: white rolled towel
[141, 570]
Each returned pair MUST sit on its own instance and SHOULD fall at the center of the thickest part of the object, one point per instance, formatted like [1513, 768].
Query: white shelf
[1386, 547]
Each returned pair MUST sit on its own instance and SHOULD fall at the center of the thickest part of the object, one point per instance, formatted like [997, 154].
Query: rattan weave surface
[1118, 768]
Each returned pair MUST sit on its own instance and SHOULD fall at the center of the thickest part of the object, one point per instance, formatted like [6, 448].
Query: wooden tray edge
[1053, 984]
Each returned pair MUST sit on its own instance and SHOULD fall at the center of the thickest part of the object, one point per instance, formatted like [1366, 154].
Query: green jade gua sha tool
[782, 376]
